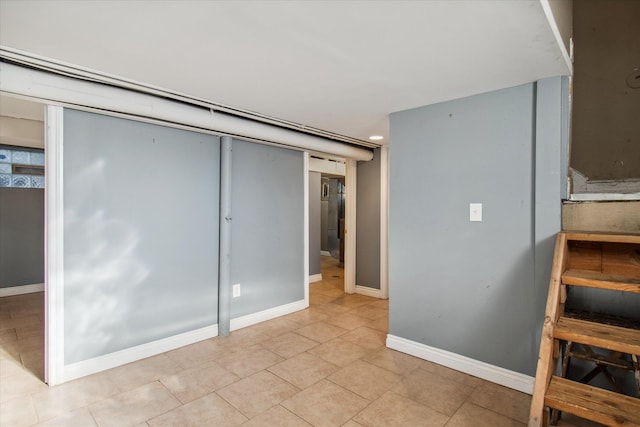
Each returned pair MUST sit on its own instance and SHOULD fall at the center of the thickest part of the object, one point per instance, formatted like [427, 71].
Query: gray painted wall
[267, 241]
[140, 235]
[368, 223]
[314, 222]
[475, 288]
[551, 148]
[21, 236]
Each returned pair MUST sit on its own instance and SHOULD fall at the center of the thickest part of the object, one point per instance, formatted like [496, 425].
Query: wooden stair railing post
[546, 359]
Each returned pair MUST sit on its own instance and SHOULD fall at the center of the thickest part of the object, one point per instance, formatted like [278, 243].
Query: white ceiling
[341, 66]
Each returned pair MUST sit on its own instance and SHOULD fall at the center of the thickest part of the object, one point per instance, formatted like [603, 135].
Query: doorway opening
[332, 237]
[332, 221]
[22, 232]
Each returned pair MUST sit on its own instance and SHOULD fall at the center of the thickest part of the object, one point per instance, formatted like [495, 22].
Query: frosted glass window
[21, 157]
[37, 159]
[21, 168]
[37, 182]
[21, 181]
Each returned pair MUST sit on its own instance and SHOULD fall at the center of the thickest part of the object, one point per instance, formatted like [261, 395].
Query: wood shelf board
[599, 335]
[602, 237]
[593, 403]
[594, 279]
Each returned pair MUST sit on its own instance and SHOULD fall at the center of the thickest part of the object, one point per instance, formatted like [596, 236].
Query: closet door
[141, 206]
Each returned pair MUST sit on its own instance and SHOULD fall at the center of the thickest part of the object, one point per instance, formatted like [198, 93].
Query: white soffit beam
[72, 92]
[561, 26]
[327, 166]
[21, 132]
[55, 66]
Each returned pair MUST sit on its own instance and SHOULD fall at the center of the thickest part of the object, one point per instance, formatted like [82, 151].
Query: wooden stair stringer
[546, 363]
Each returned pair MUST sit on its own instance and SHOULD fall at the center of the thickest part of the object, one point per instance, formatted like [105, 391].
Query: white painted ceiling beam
[49, 87]
[21, 132]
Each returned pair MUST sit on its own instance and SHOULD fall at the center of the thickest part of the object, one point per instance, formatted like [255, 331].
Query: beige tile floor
[324, 366]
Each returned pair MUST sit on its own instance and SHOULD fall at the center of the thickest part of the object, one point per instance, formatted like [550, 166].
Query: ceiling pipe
[75, 93]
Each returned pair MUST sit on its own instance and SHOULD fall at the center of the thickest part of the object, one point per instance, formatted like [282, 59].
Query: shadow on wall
[141, 206]
[101, 271]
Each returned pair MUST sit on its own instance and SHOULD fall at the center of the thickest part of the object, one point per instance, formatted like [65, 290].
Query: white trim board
[128, 355]
[54, 247]
[305, 226]
[351, 180]
[331, 167]
[21, 290]
[268, 314]
[495, 374]
[599, 197]
[315, 278]
[384, 222]
[370, 292]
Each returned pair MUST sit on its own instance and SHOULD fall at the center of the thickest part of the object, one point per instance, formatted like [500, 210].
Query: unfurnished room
[320, 213]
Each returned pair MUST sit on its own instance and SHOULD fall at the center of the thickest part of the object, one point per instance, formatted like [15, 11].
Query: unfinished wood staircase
[595, 260]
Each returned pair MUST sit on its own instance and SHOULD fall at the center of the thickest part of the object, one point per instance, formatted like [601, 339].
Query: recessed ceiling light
[376, 137]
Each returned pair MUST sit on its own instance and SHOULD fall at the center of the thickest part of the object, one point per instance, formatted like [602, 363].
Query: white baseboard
[325, 253]
[370, 292]
[495, 374]
[315, 277]
[20, 290]
[262, 316]
[111, 360]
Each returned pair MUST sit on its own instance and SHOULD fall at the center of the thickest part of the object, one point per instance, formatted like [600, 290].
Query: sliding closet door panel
[140, 233]
[267, 242]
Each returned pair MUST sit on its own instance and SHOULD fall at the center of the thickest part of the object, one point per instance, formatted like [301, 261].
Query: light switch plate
[475, 212]
[236, 290]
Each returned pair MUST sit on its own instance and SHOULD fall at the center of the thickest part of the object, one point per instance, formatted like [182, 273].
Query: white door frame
[383, 292]
[351, 173]
[54, 248]
[305, 232]
[384, 221]
[351, 181]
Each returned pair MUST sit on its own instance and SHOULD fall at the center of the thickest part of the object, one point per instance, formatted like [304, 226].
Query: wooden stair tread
[603, 237]
[606, 318]
[597, 334]
[594, 279]
[593, 403]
